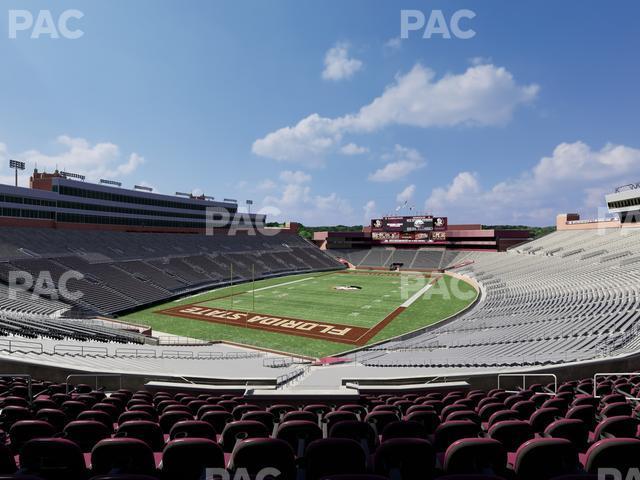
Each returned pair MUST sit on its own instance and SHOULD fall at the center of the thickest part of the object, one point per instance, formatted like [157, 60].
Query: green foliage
[536, 231]
[307, 232]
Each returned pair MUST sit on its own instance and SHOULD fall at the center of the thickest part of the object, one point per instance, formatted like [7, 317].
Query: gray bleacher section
[122, 271]
[542, 303]
[418, 259]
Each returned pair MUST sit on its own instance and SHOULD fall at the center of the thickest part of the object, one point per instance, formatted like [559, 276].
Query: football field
[313, 314]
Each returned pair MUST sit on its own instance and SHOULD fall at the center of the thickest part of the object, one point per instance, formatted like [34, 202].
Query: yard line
[280, 285]
[418, 294]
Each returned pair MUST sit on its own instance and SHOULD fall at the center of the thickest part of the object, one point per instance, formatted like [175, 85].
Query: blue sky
[320, 113]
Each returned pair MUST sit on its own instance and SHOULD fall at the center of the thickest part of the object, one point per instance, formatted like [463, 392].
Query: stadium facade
[57, 200]
[566, 303]
[413, 232]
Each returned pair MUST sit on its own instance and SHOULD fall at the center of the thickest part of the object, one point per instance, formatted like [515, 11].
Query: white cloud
[574, 177]
[406, 195]
[272, 213]
[370, 211]
[480, 60]
[403, 162]
[338, 65]
[307, 142]
[484, 95]
[95, 161]
[353, 149]
[294, 200]
[393, 43]
[267, 184]
[296, 177]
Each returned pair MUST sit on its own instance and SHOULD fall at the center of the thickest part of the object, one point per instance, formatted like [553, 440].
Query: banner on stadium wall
[425, 223]
[416, 238]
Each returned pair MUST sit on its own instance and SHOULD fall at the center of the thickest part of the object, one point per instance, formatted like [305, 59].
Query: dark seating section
[125, 270]
[443, 434]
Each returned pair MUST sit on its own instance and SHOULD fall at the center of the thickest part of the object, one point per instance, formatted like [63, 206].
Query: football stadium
[403, 244]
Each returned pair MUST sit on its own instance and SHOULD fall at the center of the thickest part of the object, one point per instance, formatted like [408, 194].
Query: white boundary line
[230, 286]
[280, 284]
[418, 294]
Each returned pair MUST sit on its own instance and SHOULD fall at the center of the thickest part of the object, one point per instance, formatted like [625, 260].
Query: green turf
[314, 297]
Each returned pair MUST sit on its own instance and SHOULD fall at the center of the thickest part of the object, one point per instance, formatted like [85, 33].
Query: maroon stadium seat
[188, 458]
[240, 430]
[475, 455]
[122, 455]
[85, 433]
[511, 433]
[149, 432]
[545, 458]
[192, 429]
[25, 430]
[331, 456]
[298, 434]
[405, 458]
[256, 454]
[361, 432]
[619, 453]
[53, 459]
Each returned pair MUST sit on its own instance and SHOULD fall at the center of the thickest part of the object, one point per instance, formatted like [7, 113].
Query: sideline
[419, 293]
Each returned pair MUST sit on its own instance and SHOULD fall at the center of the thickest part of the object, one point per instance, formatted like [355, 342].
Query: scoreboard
[409, 230]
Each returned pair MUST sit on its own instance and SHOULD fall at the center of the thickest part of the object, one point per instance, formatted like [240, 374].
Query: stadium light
[110, 182]
[17, 165]
[249, 203]
[142, 187]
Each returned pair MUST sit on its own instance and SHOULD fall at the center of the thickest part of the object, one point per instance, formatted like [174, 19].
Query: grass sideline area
[314, 297]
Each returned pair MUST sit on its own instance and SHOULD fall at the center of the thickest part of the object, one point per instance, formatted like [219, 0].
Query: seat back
[511, 433]
[53, 459]
[240, 430]
[330, 456]
[404, 429]
[573, 430]
[122, 455]
[188, 458]
[545, 458]
[449, 432]
[406, 458]
[25, 430]
[475, 455]
[145, 430]
[543, 417]
[192, 429]
[256, 454]
[619, 426]
[218, 420]
[361, 432]
[298, 434]
[619, 453]
[85, 433]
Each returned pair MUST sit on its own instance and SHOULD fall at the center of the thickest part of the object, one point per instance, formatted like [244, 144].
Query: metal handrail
[524, 377]
[595, 383]
[17, 343]
[176, 354]
[91, 375]
[136, 352]
[82, 349]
